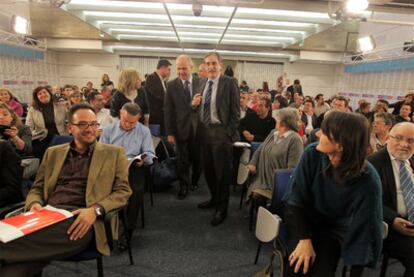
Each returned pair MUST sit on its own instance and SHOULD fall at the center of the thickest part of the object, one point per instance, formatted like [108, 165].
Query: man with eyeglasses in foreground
[86, 177]
[395, 166]
[136, 139]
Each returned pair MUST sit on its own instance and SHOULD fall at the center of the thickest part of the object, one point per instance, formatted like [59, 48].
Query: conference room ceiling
[268, 27]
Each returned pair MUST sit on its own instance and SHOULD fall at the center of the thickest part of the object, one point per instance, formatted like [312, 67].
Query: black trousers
[136, 179]
[28, 255]
[401, 248]
[217, 159]
[188, 156]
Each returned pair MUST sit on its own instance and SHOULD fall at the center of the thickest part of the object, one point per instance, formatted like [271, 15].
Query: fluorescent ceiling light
[126, 4]
[195, 34]
[197, 39]
[125, 15]
[125, 36]
[142, 31]
[20, 25]
[115, 22]
[273, 23]
[241, 42]
[366, 44]
[199, 18]
[282, 13]
[193, 50]
[255, 37]
[266, 30]
[356, 6]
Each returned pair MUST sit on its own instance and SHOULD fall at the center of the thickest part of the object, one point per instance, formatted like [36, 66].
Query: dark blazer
[314, 120]
[382, 162]
[10, 175]
[227, 104]
[179, 116]
[155, 95]
[119, 99]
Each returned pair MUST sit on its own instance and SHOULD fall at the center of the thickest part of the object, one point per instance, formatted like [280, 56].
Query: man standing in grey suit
[180, 113]
[219, 116]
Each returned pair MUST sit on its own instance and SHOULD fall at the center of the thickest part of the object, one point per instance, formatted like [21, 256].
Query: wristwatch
[98, 210]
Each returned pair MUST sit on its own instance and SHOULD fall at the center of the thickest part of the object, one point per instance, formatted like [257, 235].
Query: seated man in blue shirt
[136, 139]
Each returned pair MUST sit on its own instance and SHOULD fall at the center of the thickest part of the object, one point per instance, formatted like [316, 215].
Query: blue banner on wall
[9, 50]
[381, 66]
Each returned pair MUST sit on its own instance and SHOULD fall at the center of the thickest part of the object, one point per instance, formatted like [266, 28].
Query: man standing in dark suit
[156, 87]
[218, 129]
[180, 112]
[394, 163]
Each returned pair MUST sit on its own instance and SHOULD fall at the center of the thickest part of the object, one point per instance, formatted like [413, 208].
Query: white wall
[21, 76]
[314, 77]
[79, 68]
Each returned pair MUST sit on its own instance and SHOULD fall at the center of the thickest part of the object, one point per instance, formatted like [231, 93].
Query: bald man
[180, 110]
[395, 166]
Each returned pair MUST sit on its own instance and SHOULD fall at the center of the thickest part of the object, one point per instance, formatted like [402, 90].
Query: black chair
[57, 140]
[91, 253]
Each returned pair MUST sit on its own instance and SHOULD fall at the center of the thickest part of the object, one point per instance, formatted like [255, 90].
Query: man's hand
[196, 100]
[252, 168]
[141, 162]
[303, 254]
[36, 207]
[248, 136]
[86, 218]
[401, 226]
[171, 139]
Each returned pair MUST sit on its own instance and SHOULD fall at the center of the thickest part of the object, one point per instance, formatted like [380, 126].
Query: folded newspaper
[23, 224]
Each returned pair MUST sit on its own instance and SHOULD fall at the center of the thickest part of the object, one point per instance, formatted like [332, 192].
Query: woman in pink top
[7, 97]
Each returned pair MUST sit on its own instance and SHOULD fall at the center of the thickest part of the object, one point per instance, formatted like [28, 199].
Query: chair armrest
[5, 210]
[107, 223]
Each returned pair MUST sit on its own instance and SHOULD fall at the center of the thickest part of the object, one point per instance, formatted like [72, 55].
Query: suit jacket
[227, 104]
[382, 162]
[179, 116]
[314, 120]
[37, 125]
[107, 183]
[119, 99]
[155, 95]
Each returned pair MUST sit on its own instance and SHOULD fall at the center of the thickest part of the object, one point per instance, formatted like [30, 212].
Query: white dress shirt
[401, 207]
[213, 108]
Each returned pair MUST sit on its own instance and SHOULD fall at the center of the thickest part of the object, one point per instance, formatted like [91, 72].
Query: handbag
[164, 172]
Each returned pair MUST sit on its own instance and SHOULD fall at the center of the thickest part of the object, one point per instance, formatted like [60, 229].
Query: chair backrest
[155, 130]
[267, 225]
[57, 140]
[282, 177]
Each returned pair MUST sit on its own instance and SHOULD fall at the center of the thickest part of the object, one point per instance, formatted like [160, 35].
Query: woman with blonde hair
[130, 90]
[75, 97]
[7, 97]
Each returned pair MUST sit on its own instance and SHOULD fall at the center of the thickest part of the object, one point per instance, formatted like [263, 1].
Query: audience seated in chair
[136, 139]
[333, 204]
[281, 149]
[10, 175]
[86, 177]
[45, 120]
[394, 164]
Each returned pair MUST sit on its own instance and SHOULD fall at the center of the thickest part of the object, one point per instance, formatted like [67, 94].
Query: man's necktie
[207, 103]
[407, 188]
[187, 90]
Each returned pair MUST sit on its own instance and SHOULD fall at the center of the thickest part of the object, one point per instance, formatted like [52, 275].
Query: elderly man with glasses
[395, 166]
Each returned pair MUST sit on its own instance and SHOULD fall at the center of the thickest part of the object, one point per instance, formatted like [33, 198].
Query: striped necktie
[407, 188]
[187, 90]
[207, 103]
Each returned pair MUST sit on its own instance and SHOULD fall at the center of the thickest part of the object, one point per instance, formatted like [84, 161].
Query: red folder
[18, 226]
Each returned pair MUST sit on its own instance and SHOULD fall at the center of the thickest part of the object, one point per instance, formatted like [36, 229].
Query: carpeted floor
[178, 240]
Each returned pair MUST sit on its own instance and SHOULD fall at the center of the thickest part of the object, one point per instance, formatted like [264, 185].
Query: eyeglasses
[84, 125]
[399, 138]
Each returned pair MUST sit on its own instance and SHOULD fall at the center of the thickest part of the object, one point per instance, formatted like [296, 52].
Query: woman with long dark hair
[334, 202]
[45, 120]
